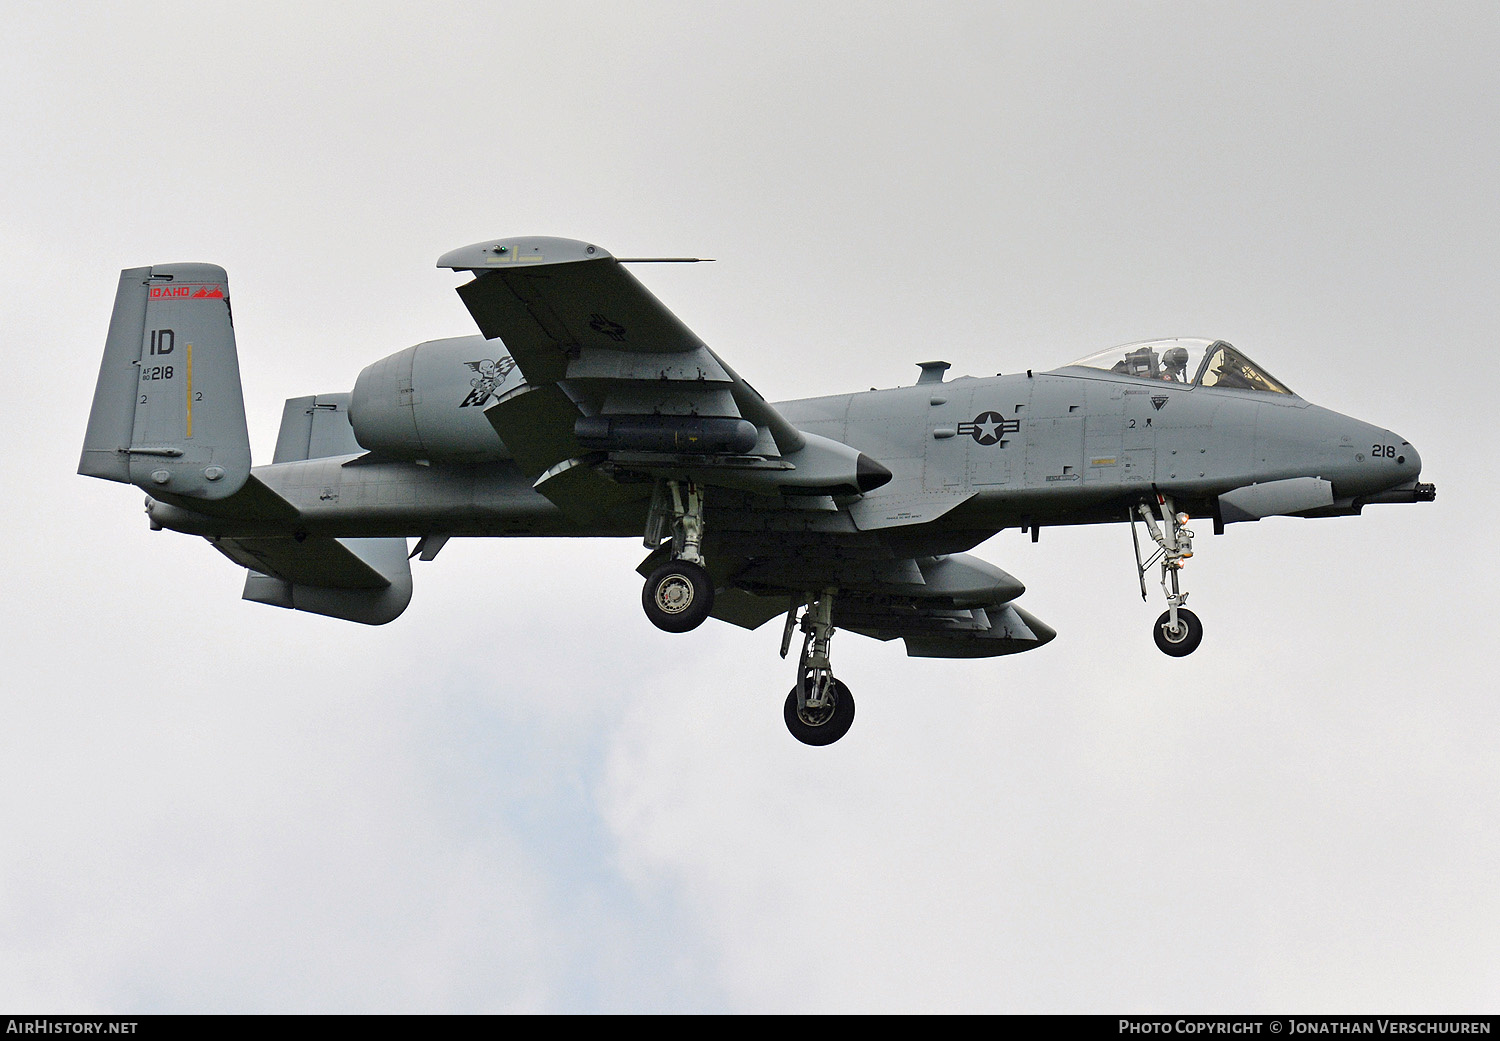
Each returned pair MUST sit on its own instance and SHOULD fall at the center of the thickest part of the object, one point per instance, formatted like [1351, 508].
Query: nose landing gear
[1183, 638]
[1178, 631]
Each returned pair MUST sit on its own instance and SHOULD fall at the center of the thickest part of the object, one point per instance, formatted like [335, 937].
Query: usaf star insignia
[988, 427]
[607, 326]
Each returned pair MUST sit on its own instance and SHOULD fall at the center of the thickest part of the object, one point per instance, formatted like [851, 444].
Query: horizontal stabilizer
[254, 502]
[1275, 499]
[361, 580]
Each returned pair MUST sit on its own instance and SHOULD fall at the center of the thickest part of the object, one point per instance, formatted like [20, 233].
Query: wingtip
[524, 251]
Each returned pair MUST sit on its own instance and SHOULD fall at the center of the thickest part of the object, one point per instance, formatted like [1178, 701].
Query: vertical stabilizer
[315, 427]
[169, 414]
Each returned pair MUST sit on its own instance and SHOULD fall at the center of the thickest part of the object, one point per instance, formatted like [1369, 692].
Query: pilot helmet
[1175, 359]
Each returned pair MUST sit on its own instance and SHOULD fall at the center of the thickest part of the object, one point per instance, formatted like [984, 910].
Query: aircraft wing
[546, 297]
[594, 344]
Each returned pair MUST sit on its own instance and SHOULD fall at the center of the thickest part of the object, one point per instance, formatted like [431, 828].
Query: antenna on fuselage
[932, 371]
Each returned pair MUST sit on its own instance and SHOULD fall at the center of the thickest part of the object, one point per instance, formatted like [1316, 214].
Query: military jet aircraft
[586, 408]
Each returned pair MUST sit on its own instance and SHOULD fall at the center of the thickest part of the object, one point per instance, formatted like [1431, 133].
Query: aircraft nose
[1369, 459]
[1403, 463]
[1408, 460]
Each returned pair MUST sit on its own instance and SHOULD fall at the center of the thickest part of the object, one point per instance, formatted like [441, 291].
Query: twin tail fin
[169, 413]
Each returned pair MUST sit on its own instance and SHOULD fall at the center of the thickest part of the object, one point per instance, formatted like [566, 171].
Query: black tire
[831, 726]
[678, 596]
[1183, 642]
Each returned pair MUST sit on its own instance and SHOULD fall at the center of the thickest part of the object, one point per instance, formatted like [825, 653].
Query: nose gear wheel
[1181, 640]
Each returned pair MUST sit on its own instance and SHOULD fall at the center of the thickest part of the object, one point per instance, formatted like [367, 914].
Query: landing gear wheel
[1185, 639]
[678, 596]
[821, 726]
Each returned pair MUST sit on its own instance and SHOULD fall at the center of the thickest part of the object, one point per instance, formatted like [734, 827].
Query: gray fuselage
[1072, 446]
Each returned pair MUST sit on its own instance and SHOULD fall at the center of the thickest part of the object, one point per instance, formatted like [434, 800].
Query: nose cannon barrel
[1413, 492]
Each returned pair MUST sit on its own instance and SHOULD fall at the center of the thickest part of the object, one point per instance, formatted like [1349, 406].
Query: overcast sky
[522, 797]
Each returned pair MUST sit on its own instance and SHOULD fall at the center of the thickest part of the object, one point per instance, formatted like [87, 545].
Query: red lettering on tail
[203, 292]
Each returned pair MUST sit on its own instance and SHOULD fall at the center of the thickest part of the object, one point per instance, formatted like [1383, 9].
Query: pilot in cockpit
[1174, 363]
[1170, 366]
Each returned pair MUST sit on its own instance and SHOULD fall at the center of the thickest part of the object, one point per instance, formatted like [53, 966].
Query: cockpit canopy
[1202, 363]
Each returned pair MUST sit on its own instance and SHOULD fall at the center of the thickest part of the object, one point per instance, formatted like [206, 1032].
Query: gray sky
[522, 797]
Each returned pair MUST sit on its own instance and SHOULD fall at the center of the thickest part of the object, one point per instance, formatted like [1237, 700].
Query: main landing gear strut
[1178, 631]
[819, 710]
[679, 594]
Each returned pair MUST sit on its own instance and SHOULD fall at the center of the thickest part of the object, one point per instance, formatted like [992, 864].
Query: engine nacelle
[428, 401]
